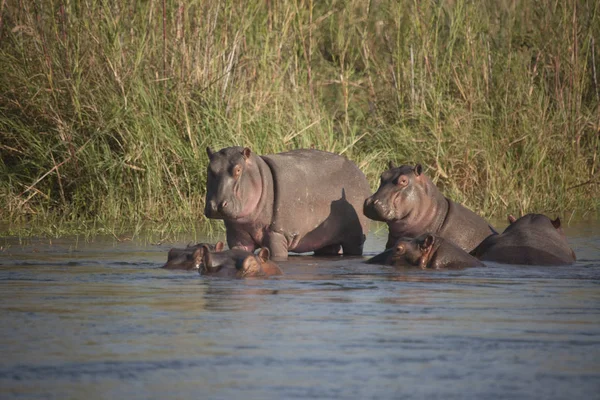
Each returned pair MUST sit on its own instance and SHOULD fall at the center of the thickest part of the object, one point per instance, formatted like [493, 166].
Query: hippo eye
[402, 181]
[237, 170]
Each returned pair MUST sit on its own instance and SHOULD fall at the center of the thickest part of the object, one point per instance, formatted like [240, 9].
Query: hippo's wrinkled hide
[309, 200]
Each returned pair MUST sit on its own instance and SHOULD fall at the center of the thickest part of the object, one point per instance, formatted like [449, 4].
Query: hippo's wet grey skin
[533, 239]
[426, 251]
[190, 257]
[299, 201]
[237, 263]
[412, 205]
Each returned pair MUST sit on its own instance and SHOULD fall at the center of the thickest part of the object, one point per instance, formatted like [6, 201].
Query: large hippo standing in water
[426, 251]
[300, 201]
[412, 205]
[533, 239]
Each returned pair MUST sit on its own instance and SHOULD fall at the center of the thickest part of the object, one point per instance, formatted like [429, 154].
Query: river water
[100, 320]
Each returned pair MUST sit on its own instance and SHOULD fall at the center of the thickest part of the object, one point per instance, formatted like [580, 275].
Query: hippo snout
[376, 210]
[216, 210]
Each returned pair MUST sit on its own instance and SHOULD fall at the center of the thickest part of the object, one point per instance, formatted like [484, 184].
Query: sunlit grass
[106, 111]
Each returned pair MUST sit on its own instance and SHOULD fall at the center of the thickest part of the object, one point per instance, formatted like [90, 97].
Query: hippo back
[449, 255]
[531, 240]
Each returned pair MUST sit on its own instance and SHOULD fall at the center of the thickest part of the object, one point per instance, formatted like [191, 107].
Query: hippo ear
[206, 257]
[400, 248]
[418, 169]
[219, 246]
[250, 266]
[246, 152]
[391, 165]
[198, 256]
[556, 223]
[427, 242]
[209, 152]
[264, 254]
[511, 219]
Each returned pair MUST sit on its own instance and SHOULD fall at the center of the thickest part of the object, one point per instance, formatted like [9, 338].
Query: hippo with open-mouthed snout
[412, 205]
[190, 257]
[299, 201]
[533, 239]
[426, 251]
[237, 263]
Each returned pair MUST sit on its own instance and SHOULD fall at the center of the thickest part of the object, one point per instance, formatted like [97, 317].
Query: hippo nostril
[223, 204]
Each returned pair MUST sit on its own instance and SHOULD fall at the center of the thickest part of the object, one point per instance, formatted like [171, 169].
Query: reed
[106, 107]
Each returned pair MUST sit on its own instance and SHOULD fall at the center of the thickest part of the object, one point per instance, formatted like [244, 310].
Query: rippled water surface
[100, 320]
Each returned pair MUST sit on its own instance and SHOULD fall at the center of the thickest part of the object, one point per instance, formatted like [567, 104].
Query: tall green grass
[106, 108]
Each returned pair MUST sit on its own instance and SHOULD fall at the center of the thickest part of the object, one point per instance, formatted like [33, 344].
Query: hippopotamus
[412, 205]
[300, 201]
[533, 239]
[237, 263]
[191, 257]
[426, 251]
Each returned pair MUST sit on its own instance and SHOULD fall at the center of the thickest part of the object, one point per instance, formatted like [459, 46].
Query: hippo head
[234, 263]
[399, 192]
[413, 251]
[233, 183]
[191, 257]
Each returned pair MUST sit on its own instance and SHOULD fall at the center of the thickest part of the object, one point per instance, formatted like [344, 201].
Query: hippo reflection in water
[533, 239]
[236, 263]
[426, 251]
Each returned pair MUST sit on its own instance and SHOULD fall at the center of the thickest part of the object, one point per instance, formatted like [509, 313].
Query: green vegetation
[106, 108]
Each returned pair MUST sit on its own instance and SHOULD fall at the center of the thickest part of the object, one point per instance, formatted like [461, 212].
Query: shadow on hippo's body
[426, 251]
[287, 201]
[342, 217]
[533, 239]
[412, 205]
[237, 263]
[189, 258]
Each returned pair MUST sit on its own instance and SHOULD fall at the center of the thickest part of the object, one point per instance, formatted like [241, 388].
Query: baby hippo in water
[237, 263]
[189, 258]
[426, 251]
[533, 239]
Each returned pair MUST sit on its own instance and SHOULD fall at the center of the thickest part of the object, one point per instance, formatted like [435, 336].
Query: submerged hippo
[237, 263]
[533, 239]
[412, 205]
[191, 257]
[300, 201]
[426, 251]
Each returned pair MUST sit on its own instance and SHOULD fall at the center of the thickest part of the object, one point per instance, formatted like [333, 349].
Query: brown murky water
[100, 320]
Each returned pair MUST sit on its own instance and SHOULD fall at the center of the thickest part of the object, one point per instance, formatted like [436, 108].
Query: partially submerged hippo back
[190, 257]
[412, 205]
[302, 200]
[238, 263]
[533, 239]
[427, 251]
